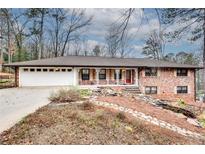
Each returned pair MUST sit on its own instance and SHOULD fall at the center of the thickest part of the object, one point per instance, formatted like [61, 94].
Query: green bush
[181, 103]
[85, 92]
[201, 119]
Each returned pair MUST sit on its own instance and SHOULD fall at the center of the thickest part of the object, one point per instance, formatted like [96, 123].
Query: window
[57, 70]
[182, 72]
[51, 70]
[32, 69]
[150, 71]
[151, 90]
[69, 70]
[85, 74]
[120, 75]
[25, 69]
[182, 89]
[63, 69]
[45, 70]
[38, 70]
[102, 74]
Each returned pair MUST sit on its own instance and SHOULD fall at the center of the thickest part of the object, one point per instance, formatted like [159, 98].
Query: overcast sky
[141, 24]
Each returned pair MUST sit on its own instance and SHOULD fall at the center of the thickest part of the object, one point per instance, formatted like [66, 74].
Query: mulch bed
[148, 109]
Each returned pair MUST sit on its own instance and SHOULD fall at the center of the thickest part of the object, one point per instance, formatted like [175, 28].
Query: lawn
[87, 124]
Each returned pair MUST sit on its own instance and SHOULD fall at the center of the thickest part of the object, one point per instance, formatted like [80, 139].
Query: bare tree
[38, 15]
[154, 47]
[59, 17]
[112, 41]
[17, 28]
[96, 50]
[76, 22]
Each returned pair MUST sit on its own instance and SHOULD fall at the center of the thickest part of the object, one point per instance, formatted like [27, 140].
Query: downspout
[195, 84]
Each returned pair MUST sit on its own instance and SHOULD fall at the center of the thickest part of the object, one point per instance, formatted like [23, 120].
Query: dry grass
[65, 95]
[86, 124]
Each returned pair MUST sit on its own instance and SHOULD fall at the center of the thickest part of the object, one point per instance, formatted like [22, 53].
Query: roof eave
[26, 65]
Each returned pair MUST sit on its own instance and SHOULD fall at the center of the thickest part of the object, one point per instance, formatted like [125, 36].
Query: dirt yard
[87, 124]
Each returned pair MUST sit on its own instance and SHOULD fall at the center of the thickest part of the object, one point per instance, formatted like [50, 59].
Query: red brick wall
[166, 82]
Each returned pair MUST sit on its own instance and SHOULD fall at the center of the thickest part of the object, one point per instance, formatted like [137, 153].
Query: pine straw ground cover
[87, 124]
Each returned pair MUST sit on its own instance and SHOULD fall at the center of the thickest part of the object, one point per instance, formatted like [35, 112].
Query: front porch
[107, 76]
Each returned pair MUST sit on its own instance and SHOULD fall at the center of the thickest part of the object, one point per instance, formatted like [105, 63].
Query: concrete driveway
[16, 103]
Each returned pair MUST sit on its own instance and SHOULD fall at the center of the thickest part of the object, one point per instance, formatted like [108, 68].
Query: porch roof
[93, 61]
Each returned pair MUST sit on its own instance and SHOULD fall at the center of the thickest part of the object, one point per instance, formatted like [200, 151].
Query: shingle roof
[91, 61]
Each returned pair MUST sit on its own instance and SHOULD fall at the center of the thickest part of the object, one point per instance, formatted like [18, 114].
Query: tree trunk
[41, 34]
[204, 54]
[56, 37]
[65, 43]
[9, 43]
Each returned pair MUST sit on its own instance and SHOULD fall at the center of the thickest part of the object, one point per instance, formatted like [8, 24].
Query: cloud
[140, 26]
[102, 18]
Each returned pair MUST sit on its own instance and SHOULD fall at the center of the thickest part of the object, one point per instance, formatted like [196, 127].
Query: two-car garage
[30, 76]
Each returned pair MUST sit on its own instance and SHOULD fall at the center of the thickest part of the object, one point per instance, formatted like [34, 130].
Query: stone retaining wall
[150, 119]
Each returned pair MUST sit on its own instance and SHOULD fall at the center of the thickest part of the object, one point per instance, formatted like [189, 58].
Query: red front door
[128, 76]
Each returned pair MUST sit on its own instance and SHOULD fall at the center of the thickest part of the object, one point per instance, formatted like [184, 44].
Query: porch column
[16, 76]
[117, 71]
[97, 70]
[76, 76]
[136, 77]
[107, 75]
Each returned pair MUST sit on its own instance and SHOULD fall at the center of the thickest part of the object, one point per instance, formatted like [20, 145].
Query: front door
[128, 76]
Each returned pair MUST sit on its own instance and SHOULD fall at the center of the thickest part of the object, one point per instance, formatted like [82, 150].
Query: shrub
[128, 128]
[65, 95]
[87, 106]
[85, 92]
[201, 119]
[181, 103]
[121, 116]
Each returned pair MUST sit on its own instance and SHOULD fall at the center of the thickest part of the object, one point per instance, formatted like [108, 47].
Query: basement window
[182, 89]
[32, 69]
[150, 71]
[150, 90]
[25, 69]
[182, 72]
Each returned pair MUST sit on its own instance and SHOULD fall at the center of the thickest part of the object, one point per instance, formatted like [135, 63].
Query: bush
[121, 116]
[85, 92]
[181, 103]
[87, 106]
[201, 119]
[65, 95]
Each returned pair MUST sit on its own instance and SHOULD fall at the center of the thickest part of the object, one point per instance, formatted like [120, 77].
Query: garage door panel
[46, 78]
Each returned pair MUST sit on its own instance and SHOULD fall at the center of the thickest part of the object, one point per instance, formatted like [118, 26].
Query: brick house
[161, 79]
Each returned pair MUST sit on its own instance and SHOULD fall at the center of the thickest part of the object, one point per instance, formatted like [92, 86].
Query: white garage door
[46, 77]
